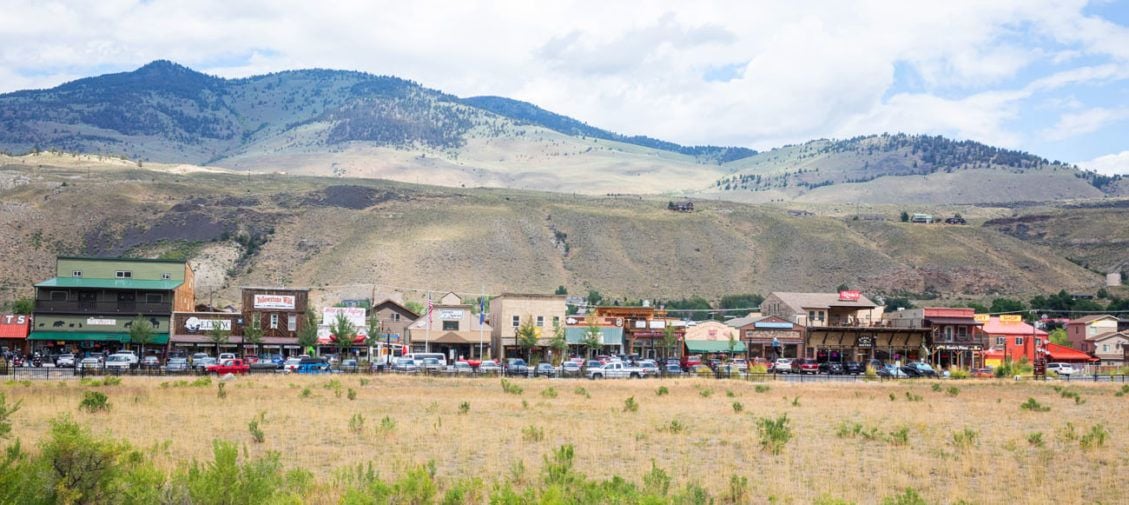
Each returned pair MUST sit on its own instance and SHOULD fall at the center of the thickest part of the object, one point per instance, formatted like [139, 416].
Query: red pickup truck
[235, 366]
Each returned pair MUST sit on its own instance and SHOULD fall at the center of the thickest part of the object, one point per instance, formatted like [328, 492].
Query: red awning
[1063, 353]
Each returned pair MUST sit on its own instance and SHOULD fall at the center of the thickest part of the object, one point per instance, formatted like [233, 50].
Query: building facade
[451, 328]
[1109, 348]
[770, 337]
[957, 339]
[394, 320]
[608, 332]
[1012, 339]
[1083, 332]
[91, 303]
[14, 329]
[712, 338]
[509, 310]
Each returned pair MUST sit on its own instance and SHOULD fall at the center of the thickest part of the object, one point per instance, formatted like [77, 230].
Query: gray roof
[821, 301]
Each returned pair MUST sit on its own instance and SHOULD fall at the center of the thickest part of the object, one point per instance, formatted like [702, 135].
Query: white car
[782, 365]
[225, 356]
[90, 363]
[1061, 368]
[291, 364]
[65, 360]
[118, 362]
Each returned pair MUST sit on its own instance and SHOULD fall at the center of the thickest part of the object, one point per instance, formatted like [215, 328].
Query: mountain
[351, 124]
[341, 236]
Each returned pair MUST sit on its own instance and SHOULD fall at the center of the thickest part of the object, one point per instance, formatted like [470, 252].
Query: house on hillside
[91, 303]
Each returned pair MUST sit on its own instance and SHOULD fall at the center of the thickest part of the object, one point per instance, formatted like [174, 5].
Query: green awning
[713, 346]
[83, 282]
[77, 336]
[609, 335]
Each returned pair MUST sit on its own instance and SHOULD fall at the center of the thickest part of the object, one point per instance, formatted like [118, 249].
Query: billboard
[849, 296]
[355, 315]
[1011, 318]
[284, 302]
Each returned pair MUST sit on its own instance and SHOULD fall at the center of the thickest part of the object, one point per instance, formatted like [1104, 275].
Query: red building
[1012, 337]
[13, 332]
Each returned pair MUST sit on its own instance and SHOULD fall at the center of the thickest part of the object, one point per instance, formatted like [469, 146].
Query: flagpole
[481, 319]
[427, 339]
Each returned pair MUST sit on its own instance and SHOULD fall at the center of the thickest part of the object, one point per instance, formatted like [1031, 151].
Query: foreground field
[949, 441]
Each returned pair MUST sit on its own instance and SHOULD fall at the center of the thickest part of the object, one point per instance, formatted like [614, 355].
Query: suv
[65, 360]
[516, 367]
[1061, 368]
[805, 365]
[133, 359]
[832, 368]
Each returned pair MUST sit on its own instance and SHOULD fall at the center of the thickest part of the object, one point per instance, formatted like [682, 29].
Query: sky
[1047, 77]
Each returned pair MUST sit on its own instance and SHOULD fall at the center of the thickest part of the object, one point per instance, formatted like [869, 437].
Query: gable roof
[1107, 335]
[821, 301]
[995, 327]
[1091, 318]
[389, 301]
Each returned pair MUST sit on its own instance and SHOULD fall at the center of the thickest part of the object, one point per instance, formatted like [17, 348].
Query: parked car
[616, 370]
[150, 362]
[892, 372]
[516, 367]
[983, 373]
[544, 370]
[700, 370]
[650, 367]
[198, 356]
[89, 363]
[854, 368]
[730, 370]
[1059, 368]
[348, 365]
[310, 365]
[65, 360]
[918, 369]
[673, 369]
[432, 365]
[805, 365]
[201, 365]
[176, 365]
[291, 364]
[233, 366]
[132, 356]
[462, 368]
[832, 368]
[405, 365]
[225, 356]
[118, 362]
[782, 365]
[489, 366]
[571, 369]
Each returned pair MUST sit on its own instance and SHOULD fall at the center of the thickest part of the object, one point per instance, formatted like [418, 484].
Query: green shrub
[549, 392]
[629, 405]
[511, 388]
[830, 500]
[1035, 439]
[796, 401]
[357, 423]
[774, 433]
[221, 392]
[6, 412]
[959, 373]
[729, 393]
[656, 482]
[870, 374]
[674, 427]
[306, 393]
[532, 434]
[953, 391]
[738, 489]
[464, 407]
[387, 424]
[914, 398]
[79, 467]
[662, 391]
[581, 391]
[900, 436]
[936, 387]
[706, 393]
[364, 382]
[1034, 406]
[965, 438]
[737, 407]
[201, 382]
[909, 497]
[351, 394]
[225, 480]
[761, 388]
[94, 401]
[1095, 438]
[256, 433]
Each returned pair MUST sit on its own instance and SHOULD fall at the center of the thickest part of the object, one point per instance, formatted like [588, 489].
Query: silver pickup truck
[616, 370]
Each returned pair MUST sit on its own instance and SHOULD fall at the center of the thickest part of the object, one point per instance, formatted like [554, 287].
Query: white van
[418, 357]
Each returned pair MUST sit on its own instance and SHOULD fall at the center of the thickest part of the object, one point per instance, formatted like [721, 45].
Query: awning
[84, 282]
[71, 336]
[1063, 353]
[713, 346]
[609, 335]
[952, 320]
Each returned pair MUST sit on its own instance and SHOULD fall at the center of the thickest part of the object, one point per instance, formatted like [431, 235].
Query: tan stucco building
[510, 310]
[451, 328]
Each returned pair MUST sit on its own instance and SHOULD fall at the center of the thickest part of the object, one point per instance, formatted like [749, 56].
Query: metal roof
[86, 282]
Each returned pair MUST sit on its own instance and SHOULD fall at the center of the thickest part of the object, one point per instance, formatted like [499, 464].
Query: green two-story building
[91, 303]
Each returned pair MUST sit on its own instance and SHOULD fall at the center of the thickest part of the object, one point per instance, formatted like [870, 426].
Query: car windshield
[430, 361]
[489, 363]
[118, 358]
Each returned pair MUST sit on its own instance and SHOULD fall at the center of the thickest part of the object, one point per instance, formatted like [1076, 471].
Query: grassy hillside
[343, 236]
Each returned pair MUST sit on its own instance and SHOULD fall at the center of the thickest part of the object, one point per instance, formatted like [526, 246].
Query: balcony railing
[113, 307]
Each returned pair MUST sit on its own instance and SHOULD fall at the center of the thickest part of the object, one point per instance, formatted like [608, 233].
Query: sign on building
[450, 315]
[849, 296]
[195, 324]
[1011, 318]
[284, 302]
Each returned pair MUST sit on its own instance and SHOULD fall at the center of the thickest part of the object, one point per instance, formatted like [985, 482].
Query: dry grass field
[861, 442]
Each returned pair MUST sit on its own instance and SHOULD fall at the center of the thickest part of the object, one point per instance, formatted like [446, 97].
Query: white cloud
[1087, 121]
[1110, 164]
[803, 69]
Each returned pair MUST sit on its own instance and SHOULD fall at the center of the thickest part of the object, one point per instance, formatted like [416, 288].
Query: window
[541, 321]
[962, 331]
[274, 320]
[1001, 340]
[153, 298]
[123, 274]
[450, 326]
[517, 321]
[1105, 347]
[948, 333]
[166, 276]
[76, 273]
[292, 322]
[395, 317]
[811, 315]
[58, 296]
[1018, 340]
